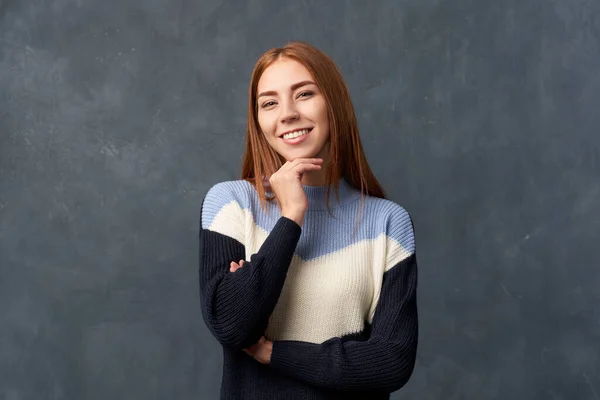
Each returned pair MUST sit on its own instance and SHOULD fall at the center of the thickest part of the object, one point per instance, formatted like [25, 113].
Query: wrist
[296, 217]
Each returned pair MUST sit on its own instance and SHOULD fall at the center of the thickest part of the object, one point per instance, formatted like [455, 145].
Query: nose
[289, 114]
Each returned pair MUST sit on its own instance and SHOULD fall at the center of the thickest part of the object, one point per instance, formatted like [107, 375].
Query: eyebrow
[294, 87]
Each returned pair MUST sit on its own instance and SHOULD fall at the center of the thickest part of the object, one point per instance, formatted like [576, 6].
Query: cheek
[265, 124]
[323, 119]
[320, 111]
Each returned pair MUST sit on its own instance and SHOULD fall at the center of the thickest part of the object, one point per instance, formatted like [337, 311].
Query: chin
[293, 156]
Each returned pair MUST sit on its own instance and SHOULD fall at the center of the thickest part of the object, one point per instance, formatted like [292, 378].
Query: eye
[305, 94]
[267, 104]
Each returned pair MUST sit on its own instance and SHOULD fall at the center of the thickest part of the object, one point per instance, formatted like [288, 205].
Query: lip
[294, 130]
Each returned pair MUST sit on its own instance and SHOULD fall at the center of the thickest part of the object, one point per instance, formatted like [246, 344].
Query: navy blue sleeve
[236, 306]
[384, 362]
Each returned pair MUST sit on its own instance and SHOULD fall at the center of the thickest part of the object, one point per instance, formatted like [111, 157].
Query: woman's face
[289, 101]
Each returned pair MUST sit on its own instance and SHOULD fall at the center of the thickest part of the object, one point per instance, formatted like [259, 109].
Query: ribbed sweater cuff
[283, 238]
[296, 359]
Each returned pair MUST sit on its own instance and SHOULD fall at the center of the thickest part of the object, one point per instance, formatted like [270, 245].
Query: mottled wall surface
[480, 118]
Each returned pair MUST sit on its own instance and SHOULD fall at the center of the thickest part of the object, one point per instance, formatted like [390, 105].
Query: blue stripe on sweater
[378, 216]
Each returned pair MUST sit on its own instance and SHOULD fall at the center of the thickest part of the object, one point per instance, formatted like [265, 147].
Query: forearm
[237, 306]
[384, 362]
[343, 365]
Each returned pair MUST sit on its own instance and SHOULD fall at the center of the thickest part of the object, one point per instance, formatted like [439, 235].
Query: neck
[318, 178]
[314, 178]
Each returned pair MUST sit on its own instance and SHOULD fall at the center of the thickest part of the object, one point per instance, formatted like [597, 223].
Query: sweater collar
[317, 195]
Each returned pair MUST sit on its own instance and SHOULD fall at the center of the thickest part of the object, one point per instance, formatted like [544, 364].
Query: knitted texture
[338, 299]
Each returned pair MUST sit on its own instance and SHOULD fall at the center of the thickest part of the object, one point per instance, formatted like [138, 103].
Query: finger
[238, 265]
[297, 161]
[296, 170]
[233, 266]
[306, 160]
[302, 166]
[300, 169]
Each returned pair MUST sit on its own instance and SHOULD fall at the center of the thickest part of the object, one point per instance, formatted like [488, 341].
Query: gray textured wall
[481, 118]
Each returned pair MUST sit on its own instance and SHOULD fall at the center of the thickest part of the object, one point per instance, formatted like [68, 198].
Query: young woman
[308, 274]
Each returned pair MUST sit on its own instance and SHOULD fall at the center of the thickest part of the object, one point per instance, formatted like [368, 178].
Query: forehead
[282, 74]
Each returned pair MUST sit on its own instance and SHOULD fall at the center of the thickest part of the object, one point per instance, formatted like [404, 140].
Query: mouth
[295, 133]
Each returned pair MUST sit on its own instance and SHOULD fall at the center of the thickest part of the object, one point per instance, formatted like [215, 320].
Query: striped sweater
[336, 298]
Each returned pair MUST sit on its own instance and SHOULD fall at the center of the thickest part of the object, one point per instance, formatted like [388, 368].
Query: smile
[296, 133]
[296, 136]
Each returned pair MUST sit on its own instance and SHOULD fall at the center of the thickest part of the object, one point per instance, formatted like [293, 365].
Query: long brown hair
[347, 158]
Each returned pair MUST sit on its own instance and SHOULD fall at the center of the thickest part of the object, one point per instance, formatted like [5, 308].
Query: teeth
[295, 134]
